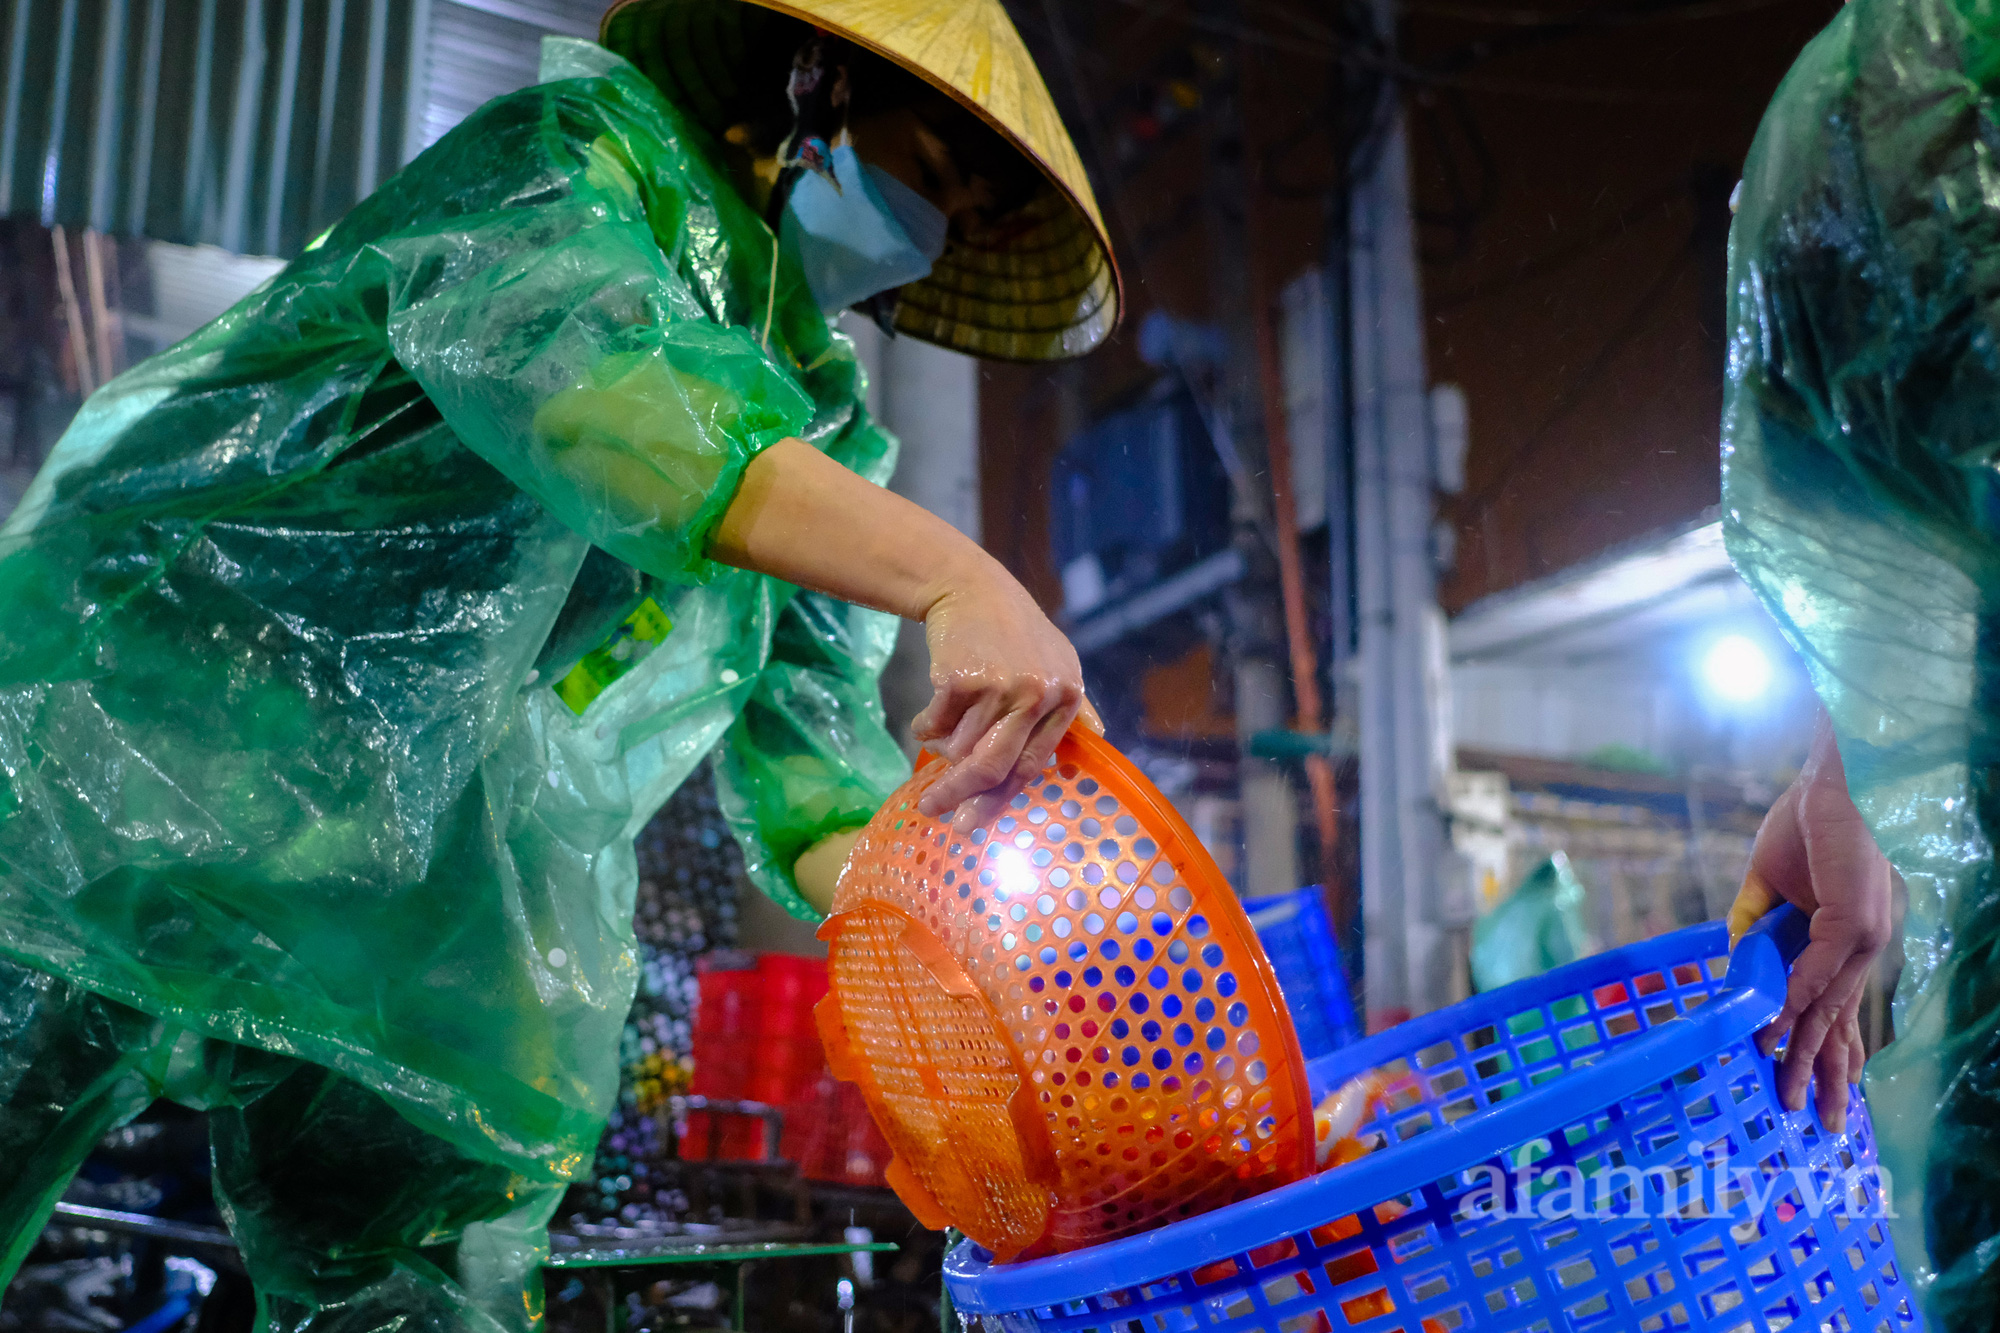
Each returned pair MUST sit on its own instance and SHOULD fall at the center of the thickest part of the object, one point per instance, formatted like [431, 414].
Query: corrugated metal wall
[248, 124]
[479, 49]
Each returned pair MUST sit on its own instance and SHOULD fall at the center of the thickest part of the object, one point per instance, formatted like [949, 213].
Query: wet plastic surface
[1539, 926]
[280, 757]
[345, 1213]
[1600, 1149]
[1062, 1021]
[1860, 502]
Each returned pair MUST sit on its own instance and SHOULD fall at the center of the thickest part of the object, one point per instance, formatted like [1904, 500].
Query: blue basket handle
[1762, 960]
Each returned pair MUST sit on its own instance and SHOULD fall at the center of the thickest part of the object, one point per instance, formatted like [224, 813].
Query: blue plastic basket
[1597, 1148]
[1298, 939]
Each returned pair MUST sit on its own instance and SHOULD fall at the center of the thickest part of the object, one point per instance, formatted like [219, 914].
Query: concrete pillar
[928, 398]
[930, 401]
[1404, 720]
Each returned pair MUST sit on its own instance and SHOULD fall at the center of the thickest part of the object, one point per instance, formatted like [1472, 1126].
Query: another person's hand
[817, 871]
[1815, 852]
[1006, 686]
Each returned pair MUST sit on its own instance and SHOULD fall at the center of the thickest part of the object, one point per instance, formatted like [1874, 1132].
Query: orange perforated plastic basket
[1062, 1022]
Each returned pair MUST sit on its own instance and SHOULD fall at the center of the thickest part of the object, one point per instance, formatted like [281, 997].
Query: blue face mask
[872, 234]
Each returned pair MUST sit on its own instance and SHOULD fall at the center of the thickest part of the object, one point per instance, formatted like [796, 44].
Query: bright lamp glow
[1015, 876]
[1737, 669]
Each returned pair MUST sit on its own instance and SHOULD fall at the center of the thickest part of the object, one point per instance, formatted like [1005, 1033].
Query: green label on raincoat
[632, 640]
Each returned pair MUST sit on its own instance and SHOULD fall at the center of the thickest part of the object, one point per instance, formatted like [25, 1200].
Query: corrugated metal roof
[479, 49]
[248, 124]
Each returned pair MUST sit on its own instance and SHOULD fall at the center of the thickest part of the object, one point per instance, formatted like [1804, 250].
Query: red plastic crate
[726, 1030]
[755, 1039]
[834, 1139]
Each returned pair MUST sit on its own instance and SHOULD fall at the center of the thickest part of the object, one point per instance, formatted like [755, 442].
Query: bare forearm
[801, 517]
[1005, 683]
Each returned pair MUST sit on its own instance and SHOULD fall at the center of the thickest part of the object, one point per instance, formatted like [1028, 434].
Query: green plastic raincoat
[1539, 926]
[335, 668]
[1862, 502]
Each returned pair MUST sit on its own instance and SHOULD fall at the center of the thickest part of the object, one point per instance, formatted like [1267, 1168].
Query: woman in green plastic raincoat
[1862, 503]
[345, 646]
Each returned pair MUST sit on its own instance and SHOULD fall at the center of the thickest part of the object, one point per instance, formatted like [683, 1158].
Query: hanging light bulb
[1736, 668]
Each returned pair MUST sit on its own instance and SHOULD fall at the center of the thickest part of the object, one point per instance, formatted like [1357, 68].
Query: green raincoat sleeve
[1861, 501]
[565, 346]
[810, 754]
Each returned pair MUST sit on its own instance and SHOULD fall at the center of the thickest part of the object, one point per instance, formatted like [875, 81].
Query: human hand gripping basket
[1597, 1148]
[1062, 1022]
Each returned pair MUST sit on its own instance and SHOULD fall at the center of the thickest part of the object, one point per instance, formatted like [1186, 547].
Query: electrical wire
[1472, 202]
[1449, 73]
[1696, 11]
[1487, 49]
[1562, 256]
[1557, 92]
[1332, 113]
[1323, 48]
[1211, 418]
[1364, 53]
[1572, 396]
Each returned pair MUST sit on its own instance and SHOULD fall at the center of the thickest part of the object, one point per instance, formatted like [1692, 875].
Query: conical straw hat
[1037, 285]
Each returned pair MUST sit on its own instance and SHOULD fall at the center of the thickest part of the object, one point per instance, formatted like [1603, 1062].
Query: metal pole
[107, 335]
[1386, 965]
[72, 309]
[1405, 753]
[1306, 698]
[739, 1318]
[367, 174]
[416, 81]
[1256, 626]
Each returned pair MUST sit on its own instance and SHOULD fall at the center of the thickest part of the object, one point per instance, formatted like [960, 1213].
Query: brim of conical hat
[1039, 284]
